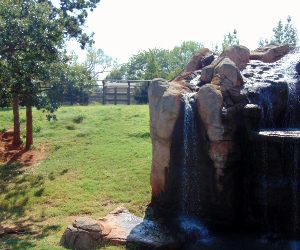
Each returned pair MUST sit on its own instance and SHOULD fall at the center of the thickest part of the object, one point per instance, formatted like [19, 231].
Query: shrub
[78, 119]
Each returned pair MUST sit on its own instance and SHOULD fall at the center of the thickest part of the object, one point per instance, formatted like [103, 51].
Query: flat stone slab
[118, 227]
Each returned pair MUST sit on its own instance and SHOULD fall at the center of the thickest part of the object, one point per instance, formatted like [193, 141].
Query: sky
[124, 27]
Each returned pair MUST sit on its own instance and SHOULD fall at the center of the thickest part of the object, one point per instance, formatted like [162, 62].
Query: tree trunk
[17, 131]
[29, 136]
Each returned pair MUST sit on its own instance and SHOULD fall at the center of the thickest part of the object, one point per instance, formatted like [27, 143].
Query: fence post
[128, 93]
[103, 93]
[115, 95]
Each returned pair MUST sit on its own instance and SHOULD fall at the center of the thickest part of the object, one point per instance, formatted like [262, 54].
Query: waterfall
[190, 154]
[287, 67]
[189, 204]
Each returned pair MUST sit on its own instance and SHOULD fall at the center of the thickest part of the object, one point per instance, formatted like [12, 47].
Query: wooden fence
[114, 92]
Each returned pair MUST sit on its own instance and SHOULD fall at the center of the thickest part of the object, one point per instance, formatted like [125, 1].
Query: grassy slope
[90, 168]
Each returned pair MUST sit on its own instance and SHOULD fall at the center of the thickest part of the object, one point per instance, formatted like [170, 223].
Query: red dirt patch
[10, 153]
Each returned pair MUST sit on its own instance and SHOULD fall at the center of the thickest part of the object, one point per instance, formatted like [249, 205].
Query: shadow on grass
[17, 187]
[140, 135]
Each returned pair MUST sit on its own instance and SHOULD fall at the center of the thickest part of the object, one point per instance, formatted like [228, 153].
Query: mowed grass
[96, 159]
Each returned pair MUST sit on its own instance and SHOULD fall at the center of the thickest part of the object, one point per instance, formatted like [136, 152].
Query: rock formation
[270, 53]
[119, 227]
[164, 104]
[225, 167]
[240, 55]
[223, 89]
[201, 59]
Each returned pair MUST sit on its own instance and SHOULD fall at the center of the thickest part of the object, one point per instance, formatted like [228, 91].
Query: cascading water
[277, 92]
[190, 204]
[287, 68]
[189, 153]
[268, 198]
[267, 79]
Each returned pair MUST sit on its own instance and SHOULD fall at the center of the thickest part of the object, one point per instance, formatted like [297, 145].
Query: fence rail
[113, 92]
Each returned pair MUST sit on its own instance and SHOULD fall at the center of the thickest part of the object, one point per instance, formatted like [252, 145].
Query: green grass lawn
[96, 158]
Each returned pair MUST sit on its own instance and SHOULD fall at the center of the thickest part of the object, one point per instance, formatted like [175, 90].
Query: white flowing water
[189, 151]
[287, 68]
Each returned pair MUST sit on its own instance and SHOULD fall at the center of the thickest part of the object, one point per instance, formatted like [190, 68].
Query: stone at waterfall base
[118, 227]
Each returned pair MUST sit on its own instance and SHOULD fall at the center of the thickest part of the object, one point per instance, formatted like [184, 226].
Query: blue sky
[122, 28]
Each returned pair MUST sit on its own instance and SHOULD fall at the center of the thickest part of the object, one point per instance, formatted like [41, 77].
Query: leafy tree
[156, 63]
[263, 42]
[97, 62]
[283, 33]
[119, 72]
[180, 56]
[32, 37]
[216, 49]
[230, 39]
[78, 81]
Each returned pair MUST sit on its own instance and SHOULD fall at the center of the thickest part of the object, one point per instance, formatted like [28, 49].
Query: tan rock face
[238, 54]
[219, 152]
[224, 73]
[164, 105]
[270, 53]
[222, 92]
[210, 103]
[228, 72]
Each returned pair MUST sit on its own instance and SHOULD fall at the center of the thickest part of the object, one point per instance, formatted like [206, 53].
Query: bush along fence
[111, 92]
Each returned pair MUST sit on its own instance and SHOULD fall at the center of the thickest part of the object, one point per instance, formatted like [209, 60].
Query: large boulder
[270, 53]
[164, 105]
[238, 54]
[229, 73]
[222, 151]
[84, 234]
[201, 59]
[119, 227]
[224, 73]
[210, 103]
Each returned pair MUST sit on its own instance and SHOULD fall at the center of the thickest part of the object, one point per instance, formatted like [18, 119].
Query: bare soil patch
[9, 153]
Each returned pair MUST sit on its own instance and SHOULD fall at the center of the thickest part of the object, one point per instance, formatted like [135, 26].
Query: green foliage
[78, 81]
[97, 62]
[216, 49]
[119, 72]
[230, 39]
[263, 42]
[81, 175]
[155, 63]
[32, 38]
[79, 118]
[283, 33]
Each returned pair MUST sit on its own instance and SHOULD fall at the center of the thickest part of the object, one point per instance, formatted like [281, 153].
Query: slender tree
[32, 37]
[283, 33]
[230, 39]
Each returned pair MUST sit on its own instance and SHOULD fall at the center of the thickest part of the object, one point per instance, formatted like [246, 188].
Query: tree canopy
[230, 39]
[283, 33]
[156, 63]
[32, 38]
